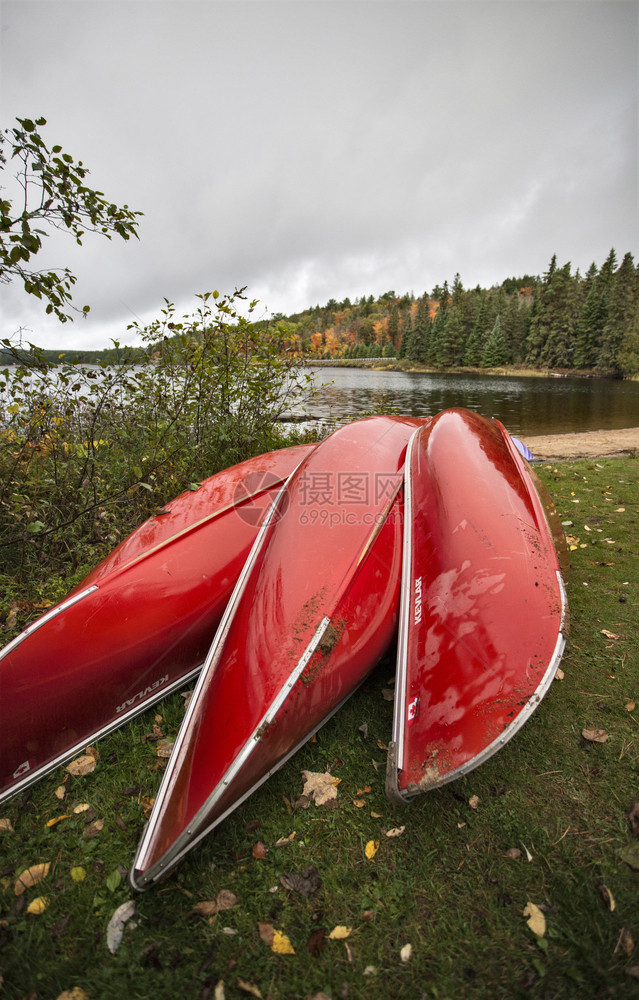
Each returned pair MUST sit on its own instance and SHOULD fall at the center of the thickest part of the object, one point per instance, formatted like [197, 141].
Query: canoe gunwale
[46, 618]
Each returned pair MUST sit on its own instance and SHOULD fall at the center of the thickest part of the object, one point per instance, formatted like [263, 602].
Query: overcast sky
[314, 149]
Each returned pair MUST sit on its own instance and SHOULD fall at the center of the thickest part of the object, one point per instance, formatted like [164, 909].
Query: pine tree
[495, 352]
[614, 352]
[474, 348]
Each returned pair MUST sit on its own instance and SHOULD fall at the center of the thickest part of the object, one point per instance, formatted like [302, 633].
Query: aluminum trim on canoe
[513, 727]
[137, 709]
[212, 658]
[170, 858]
[404, 601]
[49, 616]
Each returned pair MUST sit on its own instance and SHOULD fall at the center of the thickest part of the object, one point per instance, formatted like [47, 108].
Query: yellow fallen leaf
[281, 944]
[285, 840]
[30, 877]
[78, 874]
[339, 933]
[371, 849]
[609, 635]
[376, 815]
[75, 994]
[55, 820]
[82, 807]
[37, 906]
[82, 765]
[630, 707]
[595, 735]
[536, 920]
[620, 510]
[607, 897]
[359, 803]
[6, 825]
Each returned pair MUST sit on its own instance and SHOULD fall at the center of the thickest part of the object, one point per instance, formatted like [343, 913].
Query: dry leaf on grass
[60, 792]
[224, 900]
[595, 735]
[82, 765]
[630, 706]
[93, 829]
[513, 853]
[607, 897]
[625, 942]
[30, 877]
[371, 849]
[320, 786]
[306, 882]
[536, 920]
[75, 994]
[316, 944]
[283, 841]
[6, 825]
[37, 906]
[609, 635]
[115, 928]
[406, 953]
[396, 831]
[340, 933]
[473, 801]
[259, 851]
[247, 987]
[165, 749]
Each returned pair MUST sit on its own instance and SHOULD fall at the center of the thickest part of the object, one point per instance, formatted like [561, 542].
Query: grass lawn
[549, 826]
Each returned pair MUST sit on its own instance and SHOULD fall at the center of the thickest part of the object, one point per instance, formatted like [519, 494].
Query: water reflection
[525, 405]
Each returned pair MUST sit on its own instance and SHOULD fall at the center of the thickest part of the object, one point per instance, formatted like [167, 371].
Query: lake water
[525, 406]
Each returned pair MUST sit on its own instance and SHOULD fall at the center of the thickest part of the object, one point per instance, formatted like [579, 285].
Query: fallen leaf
[225, 899]
[93, 829]
[316, 944]
[607, 897]
[382, 746]
[6, 826]
[406, 953]
[609, 635]
[30, 877]
[82, 807]
[60, 792]
[267, 932]
[365, 790]
[38, 906]
[595, 735]
[536, 920]
[513, 853]
[529, 856]
[396, 831]
[115, 928]
[82, 765]
[320, 786]
[625, 942]
[473, 801]
[388, 694]
[75, 994]
[165, 749]
[285, 840]
[630, 706]
[620, 510]
[363, 729]
[259, 851]
[147, 804]
[205, 908]
[242, 984]
[340, 933]
[370, 970]
[319, 996]
[228, 930]
[559, 674]
[78, 874]
[305, 882]
[219, 993]
[359, 803]
[371, 849]
[281, 944]
[375, 815]
[56, 820]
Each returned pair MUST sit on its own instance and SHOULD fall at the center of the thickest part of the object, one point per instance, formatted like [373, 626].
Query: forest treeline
[561, 320]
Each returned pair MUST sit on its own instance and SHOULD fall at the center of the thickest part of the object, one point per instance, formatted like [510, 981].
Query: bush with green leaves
[87, 452]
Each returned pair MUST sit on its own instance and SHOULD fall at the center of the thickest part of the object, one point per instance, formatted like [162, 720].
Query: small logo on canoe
[418, 600]
[141, 695]
[254, 495]
[413, 710]
[19, 771]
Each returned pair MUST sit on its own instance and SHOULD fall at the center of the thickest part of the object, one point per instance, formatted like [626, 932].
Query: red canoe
[483, 608]
[137, 627]
[314, 608]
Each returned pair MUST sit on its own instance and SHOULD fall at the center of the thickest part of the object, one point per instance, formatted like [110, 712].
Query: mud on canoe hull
[138, 627]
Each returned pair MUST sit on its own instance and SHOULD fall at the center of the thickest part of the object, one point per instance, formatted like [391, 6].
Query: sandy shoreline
[587, 444]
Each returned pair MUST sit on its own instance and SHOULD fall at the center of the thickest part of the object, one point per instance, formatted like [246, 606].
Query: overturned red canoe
[483, 608]
[137, 627]
[314, 608]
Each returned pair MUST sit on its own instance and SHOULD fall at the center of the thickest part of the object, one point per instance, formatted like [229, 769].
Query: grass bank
[544, 822]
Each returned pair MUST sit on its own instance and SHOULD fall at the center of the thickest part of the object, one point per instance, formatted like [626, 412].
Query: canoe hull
[138, 627]
[483, 612]
[316, 609]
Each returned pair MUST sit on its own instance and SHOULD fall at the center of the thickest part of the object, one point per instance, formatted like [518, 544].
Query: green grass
[445, 886]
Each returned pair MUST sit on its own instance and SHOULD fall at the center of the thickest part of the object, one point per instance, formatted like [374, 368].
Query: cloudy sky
[313, 149]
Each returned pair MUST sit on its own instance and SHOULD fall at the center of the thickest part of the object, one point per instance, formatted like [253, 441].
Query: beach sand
[587, 444]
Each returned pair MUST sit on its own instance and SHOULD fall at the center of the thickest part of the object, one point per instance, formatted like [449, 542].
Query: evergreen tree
[591, 320]
[616, 350]
[474, 349]
[495, 352]
[407, 336]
